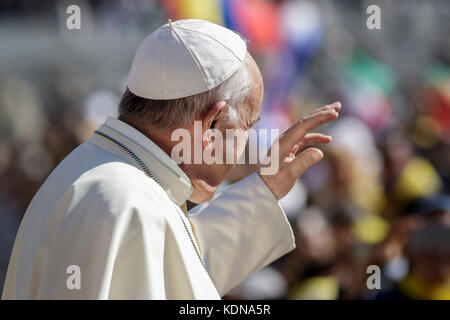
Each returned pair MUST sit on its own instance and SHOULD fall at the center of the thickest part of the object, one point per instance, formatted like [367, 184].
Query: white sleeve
[240, 231]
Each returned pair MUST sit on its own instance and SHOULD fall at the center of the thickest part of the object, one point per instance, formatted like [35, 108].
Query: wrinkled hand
[295, 155]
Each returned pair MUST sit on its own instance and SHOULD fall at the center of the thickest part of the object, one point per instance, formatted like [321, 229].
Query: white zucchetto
[184, 58]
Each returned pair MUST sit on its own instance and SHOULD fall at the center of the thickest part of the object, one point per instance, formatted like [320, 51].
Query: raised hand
[295, 153]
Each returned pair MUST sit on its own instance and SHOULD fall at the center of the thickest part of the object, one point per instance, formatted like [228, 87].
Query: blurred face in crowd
[316, 238]
[342, 168]
[432, 267]
[432, 263]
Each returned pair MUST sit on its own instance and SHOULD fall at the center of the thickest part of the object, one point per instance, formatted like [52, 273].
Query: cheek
[241, 142]
[234, 145]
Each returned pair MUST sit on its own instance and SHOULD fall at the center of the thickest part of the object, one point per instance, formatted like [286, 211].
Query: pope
[110, 222]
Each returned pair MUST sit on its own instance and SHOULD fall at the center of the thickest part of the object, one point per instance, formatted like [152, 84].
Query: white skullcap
[183, 58]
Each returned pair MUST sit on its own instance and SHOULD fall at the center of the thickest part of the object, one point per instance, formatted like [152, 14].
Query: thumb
[304, 160]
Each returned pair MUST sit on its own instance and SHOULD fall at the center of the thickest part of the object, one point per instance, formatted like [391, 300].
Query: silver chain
[149, 173]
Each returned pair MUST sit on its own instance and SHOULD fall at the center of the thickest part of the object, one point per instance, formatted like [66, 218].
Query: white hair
[177, 113]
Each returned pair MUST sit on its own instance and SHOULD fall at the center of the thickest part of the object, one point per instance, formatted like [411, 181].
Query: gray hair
[177, 113]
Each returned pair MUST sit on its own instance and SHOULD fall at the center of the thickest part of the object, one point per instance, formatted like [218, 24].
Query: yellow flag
[200, 9]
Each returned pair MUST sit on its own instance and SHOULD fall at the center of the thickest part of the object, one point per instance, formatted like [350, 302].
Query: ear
[213, 114]
[209, 120]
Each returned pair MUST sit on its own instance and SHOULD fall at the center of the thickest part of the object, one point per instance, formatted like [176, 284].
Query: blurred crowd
[381, 195]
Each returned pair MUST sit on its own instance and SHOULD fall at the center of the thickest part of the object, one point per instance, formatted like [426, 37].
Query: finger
[303, 161]
[311, 139]
[336, 106]
[297, 132]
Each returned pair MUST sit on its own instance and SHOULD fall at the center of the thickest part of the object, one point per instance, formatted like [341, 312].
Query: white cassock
[127, 235]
